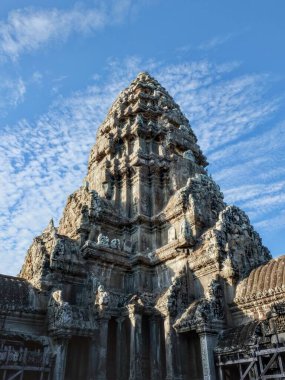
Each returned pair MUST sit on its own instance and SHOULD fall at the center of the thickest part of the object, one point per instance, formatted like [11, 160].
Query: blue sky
[63, 63]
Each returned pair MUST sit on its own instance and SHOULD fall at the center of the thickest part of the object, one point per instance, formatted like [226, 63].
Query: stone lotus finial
[86, 185]
[50, 227]
[143, 75]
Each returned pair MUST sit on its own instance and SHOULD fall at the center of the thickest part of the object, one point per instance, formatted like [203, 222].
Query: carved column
[208, 342]
[154, 184]
[173, 370]
[102, 352]
[119, 349]
[154, 239]
[118, 194]
[61, 345]
[155, 349]
[135, 346]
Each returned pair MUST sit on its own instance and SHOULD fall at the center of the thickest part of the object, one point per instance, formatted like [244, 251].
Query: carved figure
[60, 312]
[185, 230]
[189, 155]
[184, 128]
[115, 244]
[103, 296]
[171, 234]
[103, 240]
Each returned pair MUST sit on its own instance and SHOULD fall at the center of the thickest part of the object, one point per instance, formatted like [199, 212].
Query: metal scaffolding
[21, 363]
[262, 364]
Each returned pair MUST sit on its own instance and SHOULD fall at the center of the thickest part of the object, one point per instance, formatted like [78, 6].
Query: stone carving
[84, 220]
[15, 294]
[103, 297]
[185, 230]
[115, 243]
[196, 315]
[135, 206]
[128, 246]
[93, 281]
[103, 240]
[60, 312]
[215, 294]
[139, 120]
[203, 311]
[171, 233]
[176, 298]
[189, 155]
[184, 128]
[228, 270]
[95, 203]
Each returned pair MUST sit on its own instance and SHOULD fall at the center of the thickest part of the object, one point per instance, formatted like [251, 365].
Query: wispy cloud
[253, 175]
[12, 92]
[44, 161]
[273, 223]
[248, 192]
[29, 29]
[213, 42]
[216, 41]
[222, 106]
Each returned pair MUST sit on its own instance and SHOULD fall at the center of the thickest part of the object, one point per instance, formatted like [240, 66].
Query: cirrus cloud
[28, 29]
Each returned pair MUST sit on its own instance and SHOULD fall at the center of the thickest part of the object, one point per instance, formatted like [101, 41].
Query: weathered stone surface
[147, 256]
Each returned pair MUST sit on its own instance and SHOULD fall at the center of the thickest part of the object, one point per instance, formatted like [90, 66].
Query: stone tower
[140, 277]
[145, 152]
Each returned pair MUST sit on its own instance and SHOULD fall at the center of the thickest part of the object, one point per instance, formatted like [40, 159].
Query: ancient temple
[149, 275]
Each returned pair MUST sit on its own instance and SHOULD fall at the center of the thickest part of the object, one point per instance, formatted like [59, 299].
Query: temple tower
[145, 151]
[143, 268]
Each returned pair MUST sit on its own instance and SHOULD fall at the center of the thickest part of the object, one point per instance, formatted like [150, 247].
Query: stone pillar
[135, 346]
[61, 345]
[92, 358]
[155, 349]
[221, 372]
[208, 342]
[102, 349]
[173, 370]
[124, 195]
[119, 349]
[154, 238]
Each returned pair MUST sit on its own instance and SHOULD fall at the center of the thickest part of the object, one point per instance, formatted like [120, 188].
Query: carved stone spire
[144, 133]
[146, 177]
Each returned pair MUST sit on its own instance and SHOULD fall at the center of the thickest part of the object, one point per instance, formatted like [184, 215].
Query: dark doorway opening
[77, 362]
[111, 350]
[190, 354]
[145, 347]
[162, 348]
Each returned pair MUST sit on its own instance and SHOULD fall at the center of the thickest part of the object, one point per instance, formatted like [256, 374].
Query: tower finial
[51, 224]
